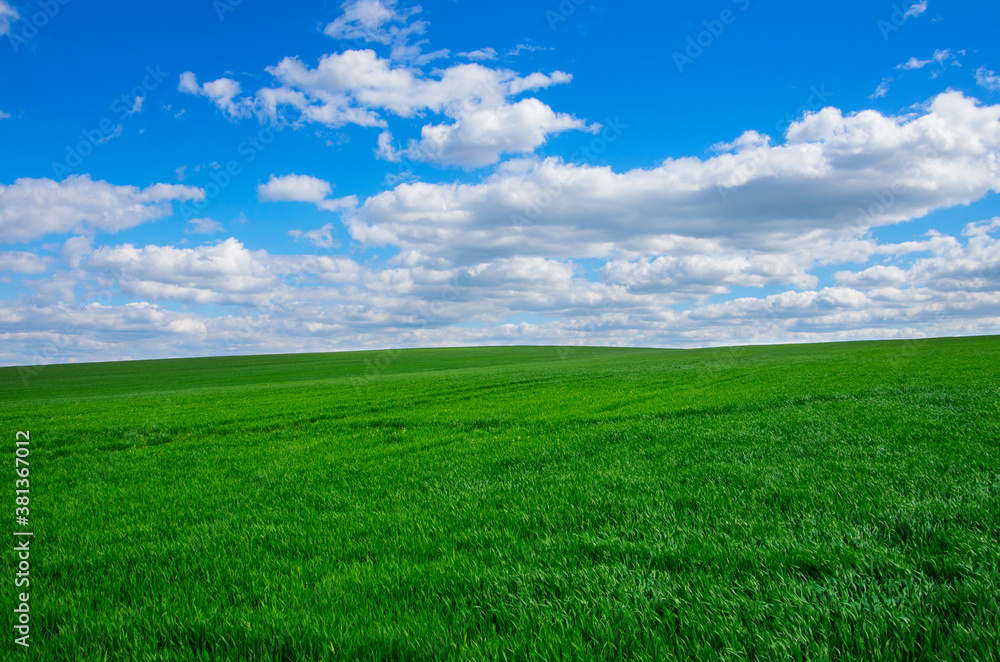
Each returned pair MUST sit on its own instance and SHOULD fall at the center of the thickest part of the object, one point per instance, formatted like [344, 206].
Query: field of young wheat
[836, 501]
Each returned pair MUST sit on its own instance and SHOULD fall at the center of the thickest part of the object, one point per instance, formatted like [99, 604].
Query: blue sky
[204, 178]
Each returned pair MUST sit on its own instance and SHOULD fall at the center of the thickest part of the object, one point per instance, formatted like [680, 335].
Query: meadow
[800, 502]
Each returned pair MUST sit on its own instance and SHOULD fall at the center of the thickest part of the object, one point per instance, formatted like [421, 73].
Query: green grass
[826, 502]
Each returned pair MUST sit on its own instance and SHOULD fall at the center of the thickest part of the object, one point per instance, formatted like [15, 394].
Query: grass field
[835, 501]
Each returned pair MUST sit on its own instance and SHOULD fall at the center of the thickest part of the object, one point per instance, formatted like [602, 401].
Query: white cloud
[368, 20]
[514, 52]
[297, 188]
[33, 208]
[379, 21]
[480, 54]
[203, 226]
[746, 140]
[833, 178]
[916, 9]
[707, 273]
[320, 237]
[375, 21]
[303, 188]
[62, 332]
[877, 276]
[351, 87]
[117, 133]
[323, 269]
[223, 273]
[939, 56]
[7, 16]
[75, 249]
[537, 81]
[222, 92]
[881, 90]
[972, 267]
[23, 262]
[987, 79]
[360, 79]
[357, 86]
[338, 204]
[384, 148]
[913, 63]
[137, 105]
[189, 83]
[952, 266]
[480, 137]
[4, 116]
[590, 254]
[348, 307]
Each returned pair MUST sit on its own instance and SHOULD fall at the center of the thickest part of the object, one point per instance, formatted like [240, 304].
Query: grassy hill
[837, 501]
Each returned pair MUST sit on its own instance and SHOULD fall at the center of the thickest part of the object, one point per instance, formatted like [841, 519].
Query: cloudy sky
[206, 177]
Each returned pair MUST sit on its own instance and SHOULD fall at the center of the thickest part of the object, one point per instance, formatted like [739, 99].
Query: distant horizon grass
[807, 502]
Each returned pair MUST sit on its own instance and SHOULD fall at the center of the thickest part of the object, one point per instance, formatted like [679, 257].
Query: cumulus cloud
[223, 273]
[834, 175]
[354, 87]
[297, 188]
[877, 276]
[956, 267]
[952, 290]
[363, 77]
[588, 254]
[23, 262]
[303, 188]
[706, 274]
[485, 120]
[33, 208]
[350, 307]
[222, 92]
[952, 266]
[480, 137]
